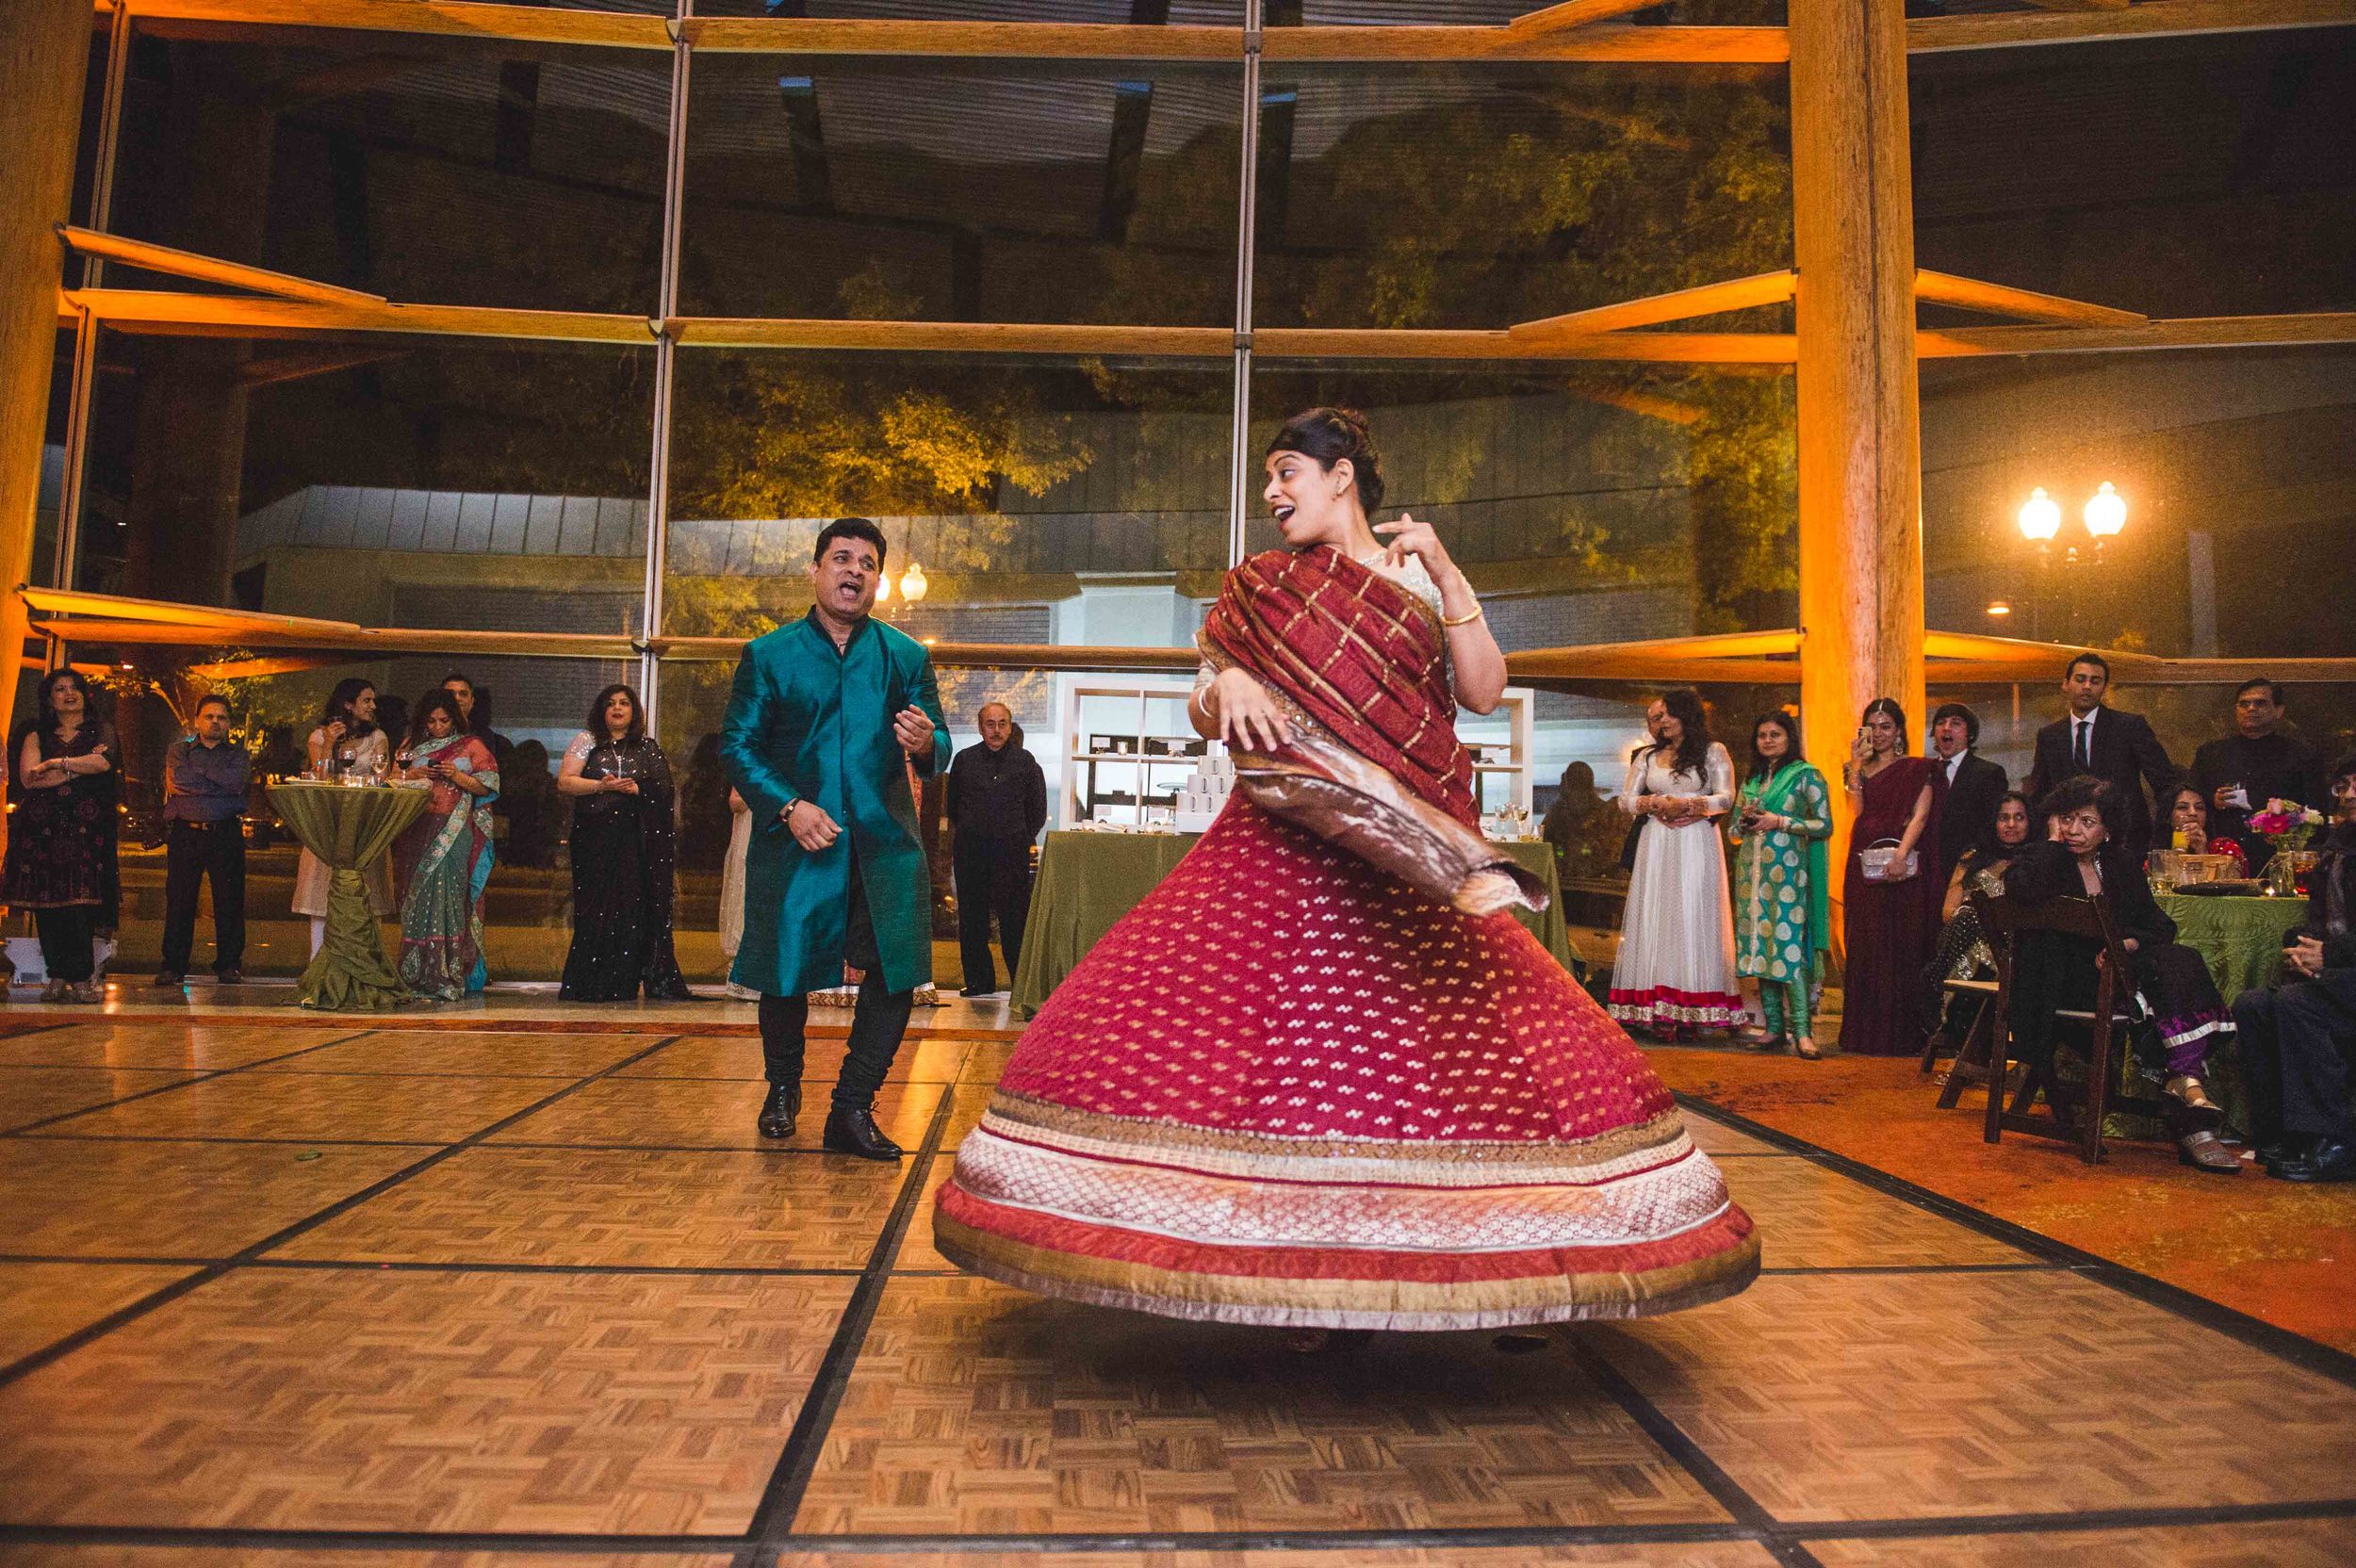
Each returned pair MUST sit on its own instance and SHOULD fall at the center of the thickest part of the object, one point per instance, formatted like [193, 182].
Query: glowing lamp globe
[883, 587]
[2040, 520]
[913, 583]
[2106, 512]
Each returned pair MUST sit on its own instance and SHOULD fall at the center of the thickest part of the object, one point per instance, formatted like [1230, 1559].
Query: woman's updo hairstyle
[1330, 434]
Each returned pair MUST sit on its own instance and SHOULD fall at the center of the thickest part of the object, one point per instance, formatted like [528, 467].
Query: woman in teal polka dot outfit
[1782, 885]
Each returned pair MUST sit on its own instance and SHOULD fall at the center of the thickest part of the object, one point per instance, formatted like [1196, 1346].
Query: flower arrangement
[2286, 825]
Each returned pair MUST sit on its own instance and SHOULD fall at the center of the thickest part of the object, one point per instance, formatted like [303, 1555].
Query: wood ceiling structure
[276, 305]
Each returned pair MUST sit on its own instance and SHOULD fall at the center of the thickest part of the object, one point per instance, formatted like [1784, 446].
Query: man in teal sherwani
[826, 716]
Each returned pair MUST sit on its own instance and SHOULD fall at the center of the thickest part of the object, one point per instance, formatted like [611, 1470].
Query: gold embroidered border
[1146, 1134]
[1348, 1303]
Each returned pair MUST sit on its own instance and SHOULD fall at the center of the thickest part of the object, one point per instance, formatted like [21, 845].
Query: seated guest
[1962, 952]
[2189, 829]
[2240, 773]
[2299, 1037]
[1968, 785]
[2169, 987]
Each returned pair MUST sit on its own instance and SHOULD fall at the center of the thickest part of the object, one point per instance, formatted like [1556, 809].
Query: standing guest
[732, 890]
[474, 711]
[997, 803]
[1968, 785]
[61, 837]
[347, 739]
[1674, 971]
[1890, 916]
[624, 859]
[2299, 1037]
[443, 857]
[2188, 828]
[1583, 828]
[824, 719]
[2169, 987]
[1962, 952]
[2256, 763]
[1782, 883]
[205, 779]
[2105, 743]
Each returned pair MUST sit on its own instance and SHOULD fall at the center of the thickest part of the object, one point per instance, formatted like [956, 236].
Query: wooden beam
[1662, 348]
[187, 264]
[219, 315]
[119, 607]
[1614, 45]
[2156, 19]
[1995, 299]
[964, 40]
[425, 18]
[361, 641]
[2195, 332]
[45, 61]
[1574, 14]
[949, 337]
[2080, 4]
[305, 363]
[1859, 419]
[1765, 288]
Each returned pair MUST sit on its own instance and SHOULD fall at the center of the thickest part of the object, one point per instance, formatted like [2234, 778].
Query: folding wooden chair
[2073, 1118]
[1970, 1065]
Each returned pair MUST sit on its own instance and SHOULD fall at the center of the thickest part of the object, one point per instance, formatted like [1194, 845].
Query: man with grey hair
[997, 803]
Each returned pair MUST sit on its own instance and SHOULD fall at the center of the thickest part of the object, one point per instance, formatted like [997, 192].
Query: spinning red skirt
[1286, 1090]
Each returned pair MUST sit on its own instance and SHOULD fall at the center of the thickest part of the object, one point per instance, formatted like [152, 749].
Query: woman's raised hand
[1248, 718]
[1410, 537]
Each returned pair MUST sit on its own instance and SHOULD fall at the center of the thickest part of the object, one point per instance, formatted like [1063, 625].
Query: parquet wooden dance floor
[287, 1293]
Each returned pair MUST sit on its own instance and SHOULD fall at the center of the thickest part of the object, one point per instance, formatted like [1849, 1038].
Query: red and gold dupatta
[1378, 770]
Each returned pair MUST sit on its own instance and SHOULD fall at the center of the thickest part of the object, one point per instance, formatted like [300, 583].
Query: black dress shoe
[168, 977]
[229, 977]
[856, 1132]
[777, 1110]
[2331, 1160]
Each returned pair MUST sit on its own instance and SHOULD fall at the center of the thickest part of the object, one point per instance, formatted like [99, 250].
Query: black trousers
[2297, 1041]
[994, 877]
[879, 1019]
[66, 936]
[193, 853]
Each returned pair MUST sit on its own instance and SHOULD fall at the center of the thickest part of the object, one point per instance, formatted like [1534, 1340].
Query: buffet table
[1088, 881]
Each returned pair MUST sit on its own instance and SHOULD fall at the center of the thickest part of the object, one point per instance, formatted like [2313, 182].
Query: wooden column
[1860, 464]
[44, 54]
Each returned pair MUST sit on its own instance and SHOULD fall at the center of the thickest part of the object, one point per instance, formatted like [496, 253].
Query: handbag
[1878, 862]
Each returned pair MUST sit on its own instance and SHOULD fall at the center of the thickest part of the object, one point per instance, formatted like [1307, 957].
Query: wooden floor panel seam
[2281, 1344]
[203, 1076]
[90, 1332]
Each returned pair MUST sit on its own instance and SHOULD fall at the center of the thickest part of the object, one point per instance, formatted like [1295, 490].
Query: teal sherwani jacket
[806, 722]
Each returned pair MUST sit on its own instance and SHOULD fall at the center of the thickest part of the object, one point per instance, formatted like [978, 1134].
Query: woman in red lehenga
[1320, 1077]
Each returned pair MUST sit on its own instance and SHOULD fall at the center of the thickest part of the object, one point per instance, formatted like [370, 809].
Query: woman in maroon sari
[1891, 903]
[1320, 1077]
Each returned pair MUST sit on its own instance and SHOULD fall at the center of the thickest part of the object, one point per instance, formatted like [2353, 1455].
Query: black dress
[624, 860]
[62, 849]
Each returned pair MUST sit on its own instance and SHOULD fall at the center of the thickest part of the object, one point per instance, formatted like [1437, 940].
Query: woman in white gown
[1675, 969]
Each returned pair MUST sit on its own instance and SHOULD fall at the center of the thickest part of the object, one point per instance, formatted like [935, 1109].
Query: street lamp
[2106, 512]
[2040, 520]
[913, 584]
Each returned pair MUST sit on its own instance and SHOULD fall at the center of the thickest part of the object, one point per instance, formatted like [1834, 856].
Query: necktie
[2085, 763]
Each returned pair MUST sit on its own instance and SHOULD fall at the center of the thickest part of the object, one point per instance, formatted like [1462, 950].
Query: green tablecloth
[1087, 881]
[346, 828]
[2241, 937]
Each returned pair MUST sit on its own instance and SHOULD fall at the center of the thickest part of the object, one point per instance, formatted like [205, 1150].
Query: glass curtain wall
[1086, 496]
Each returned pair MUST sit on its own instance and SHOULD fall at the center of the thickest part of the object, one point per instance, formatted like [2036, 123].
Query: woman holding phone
[1890, 915]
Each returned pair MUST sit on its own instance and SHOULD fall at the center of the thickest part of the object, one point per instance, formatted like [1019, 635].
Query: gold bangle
[1478, 612]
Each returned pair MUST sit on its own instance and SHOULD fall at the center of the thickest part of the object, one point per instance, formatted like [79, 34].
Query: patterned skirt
[1285, 1089]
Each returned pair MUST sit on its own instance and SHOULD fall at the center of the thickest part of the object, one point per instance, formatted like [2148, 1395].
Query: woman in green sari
[442, 860]
[1782, 885]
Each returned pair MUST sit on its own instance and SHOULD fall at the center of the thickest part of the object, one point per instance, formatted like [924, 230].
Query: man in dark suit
[1967, 786]
[2118, 748]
